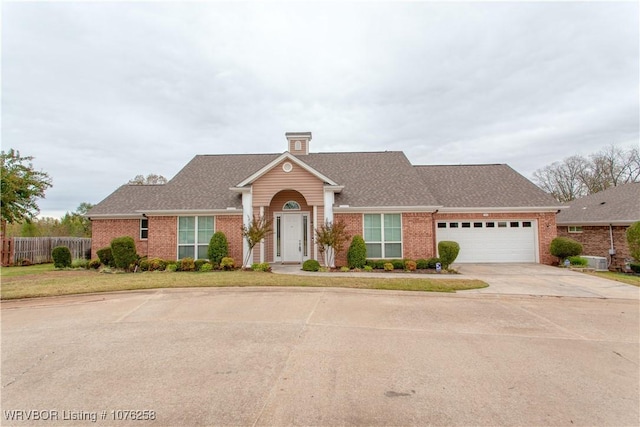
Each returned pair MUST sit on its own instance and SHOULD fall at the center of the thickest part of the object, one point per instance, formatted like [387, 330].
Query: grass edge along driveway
[46, 282]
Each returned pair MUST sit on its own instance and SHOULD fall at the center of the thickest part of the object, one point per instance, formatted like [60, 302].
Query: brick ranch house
[401, 210]
[600, 221]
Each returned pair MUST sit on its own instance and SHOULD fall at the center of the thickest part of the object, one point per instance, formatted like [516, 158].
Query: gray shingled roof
[127, 199]
[374, 179]
[488, 186]
[617, 205]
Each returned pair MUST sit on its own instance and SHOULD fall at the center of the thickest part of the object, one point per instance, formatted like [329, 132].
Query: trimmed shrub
[368, 268]
[143, 263]
[564, 247]
[61, 257]
[106, 257]
[311, 265]
[345, 269]
[388, 266]
[80, 263]
[398, 264]
[633, 240]
[124, 253]
[431, 262]
[578, 260]
[218, 247]
[205, 268]
[263, 266]
[187, 264]
[377, 264]
[357, 253]
[422, 264]
[410, 265]
[172, 267]
[199, 263]
[227, 263]
[94, 264]
[157, 264]
[448, 251]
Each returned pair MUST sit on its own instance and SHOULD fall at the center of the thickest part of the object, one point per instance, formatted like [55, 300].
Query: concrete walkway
[510, 279]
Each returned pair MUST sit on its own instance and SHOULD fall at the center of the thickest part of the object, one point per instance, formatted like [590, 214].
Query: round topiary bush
[124, 252]
[106, 257]
[564, 247]
[311, 265]
[218, 247]
[61, 257]
[357, 253]
[448, 252]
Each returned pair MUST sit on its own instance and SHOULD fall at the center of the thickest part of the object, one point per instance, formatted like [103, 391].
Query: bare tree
[563, 180]
[151, 179]
[577, 176]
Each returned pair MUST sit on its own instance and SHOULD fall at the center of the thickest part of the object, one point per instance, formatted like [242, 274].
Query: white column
[247, 215]
[262, 241]
[328, 205]
[313, 232]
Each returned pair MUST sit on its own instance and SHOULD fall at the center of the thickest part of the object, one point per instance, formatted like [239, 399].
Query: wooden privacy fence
[37, 250]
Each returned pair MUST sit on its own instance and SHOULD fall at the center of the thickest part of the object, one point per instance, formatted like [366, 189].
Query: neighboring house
[599, 221]
[401, 210]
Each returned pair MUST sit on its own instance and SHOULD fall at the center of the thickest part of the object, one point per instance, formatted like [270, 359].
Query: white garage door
[491, 241]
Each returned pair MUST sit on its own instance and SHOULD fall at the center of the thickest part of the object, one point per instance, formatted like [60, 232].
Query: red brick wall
[163, 237]
[231, 226]
[103, 231]
[353, 226]
[596, 241]
[546, 227]
[418, 240]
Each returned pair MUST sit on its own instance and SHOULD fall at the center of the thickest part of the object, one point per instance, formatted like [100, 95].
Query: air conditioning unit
[597, 262]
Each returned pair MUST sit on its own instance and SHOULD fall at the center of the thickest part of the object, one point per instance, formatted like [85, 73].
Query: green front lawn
[618, 277]
[42, 281]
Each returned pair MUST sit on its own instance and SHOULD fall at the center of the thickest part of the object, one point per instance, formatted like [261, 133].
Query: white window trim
[574, 229]
[383, 241]
[195, 244]
[144, 228]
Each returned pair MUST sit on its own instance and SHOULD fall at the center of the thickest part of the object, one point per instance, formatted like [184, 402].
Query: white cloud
[101, 92]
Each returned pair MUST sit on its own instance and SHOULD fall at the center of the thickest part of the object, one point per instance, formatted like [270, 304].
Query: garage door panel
[513, 243]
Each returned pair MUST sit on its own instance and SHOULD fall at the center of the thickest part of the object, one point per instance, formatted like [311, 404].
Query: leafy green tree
[256, 231]
[22, 185]
[76, 224]
[633, 239]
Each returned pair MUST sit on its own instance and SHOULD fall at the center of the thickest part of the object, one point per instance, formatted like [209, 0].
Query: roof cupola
[298, 142]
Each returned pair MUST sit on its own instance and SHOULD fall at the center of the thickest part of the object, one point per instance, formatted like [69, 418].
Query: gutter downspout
[612, 251]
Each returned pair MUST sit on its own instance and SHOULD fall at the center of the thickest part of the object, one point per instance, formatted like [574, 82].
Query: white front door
[292, 237]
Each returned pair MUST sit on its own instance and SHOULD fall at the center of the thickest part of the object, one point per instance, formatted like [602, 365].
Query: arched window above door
[291, 205]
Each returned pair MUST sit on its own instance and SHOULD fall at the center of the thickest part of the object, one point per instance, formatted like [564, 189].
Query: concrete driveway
[278, 357]
[538, 279]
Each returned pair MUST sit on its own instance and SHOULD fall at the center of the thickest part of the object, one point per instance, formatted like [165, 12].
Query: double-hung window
[144, 228]
[194, 234]
[383, 235]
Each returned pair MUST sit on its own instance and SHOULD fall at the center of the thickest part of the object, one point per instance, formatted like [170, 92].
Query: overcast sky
[101, 92]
